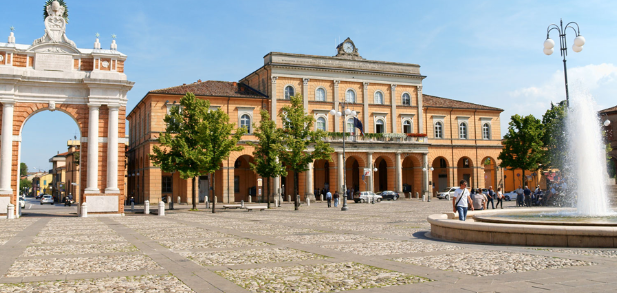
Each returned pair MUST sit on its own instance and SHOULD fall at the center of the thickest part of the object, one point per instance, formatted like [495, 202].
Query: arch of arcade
[87, 84]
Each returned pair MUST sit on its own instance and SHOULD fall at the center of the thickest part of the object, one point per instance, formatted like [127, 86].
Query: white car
[46, 198]
[508, 196]
[447, 193]
[366, 196]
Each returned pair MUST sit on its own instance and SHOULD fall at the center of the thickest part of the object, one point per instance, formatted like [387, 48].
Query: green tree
[554, 138]
[23, 169]
[523, 146]
[181, 151]
[216, 137]
[266, 151]
[610, 164]
[25, 183]
[297, 137]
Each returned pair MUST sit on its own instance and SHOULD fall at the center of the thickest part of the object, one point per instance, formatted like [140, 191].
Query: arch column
[308, 186]
[92, 177]
[371, 181]
[6, 151]
[425, 175]
[112, 151]
[341, 169]
[399, 173]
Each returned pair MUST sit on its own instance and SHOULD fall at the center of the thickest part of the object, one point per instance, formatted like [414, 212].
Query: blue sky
[486, 52]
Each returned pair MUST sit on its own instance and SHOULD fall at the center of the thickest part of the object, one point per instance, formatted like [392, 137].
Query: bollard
[84, 210]
[321, 197]
[417, 195]
[250, 198]
[289, 198]
[207, 200]
[132, 207]
[146, 207]
[308, 201]
[161, 208]
[10, 211]
[178, 202]
[216, 200]
[429, 197]
[276, 202]
[242, 203]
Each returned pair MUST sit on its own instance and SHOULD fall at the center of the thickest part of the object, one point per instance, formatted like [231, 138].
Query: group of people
[475, 200]
[481, 200]
[526, 197]
[329, 198]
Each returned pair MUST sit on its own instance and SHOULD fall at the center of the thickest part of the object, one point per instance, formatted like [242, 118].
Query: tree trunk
[193, 195]
[268, 191]
[213, 193]
[296, 203]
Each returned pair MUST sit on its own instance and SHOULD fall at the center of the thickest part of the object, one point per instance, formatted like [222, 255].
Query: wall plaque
[53, 62]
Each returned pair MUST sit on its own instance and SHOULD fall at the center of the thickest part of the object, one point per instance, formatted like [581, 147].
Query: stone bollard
[216, 200]
[276, 202]
[289, 198]
[321, 197]
[178, 202]
[161, 208]
[207, 201]
[10, 211]
[132, 207]
[308, 201]
[84, 210]
[242, 203]
[250, 198]
[146, 207]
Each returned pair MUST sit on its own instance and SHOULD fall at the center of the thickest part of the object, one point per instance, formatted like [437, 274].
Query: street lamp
[346, 112]
[579, 41]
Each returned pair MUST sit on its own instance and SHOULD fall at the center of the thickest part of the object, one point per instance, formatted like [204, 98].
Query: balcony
[377, 137]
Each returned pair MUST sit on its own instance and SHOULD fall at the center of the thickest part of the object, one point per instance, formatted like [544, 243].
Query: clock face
[348, 47]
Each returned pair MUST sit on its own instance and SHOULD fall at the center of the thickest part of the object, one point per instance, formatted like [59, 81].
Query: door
[467, 177]
[204, 188]
[442, 183]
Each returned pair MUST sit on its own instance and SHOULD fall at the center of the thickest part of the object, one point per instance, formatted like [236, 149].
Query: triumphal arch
[87, 84]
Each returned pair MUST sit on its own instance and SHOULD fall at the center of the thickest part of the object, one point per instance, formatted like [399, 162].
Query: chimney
[199, 80]
[235, 83]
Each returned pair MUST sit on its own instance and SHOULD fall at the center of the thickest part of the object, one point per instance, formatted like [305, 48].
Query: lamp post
[579, 41]
[346, 112]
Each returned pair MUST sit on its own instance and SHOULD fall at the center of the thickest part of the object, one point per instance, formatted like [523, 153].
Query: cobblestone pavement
[370, 248]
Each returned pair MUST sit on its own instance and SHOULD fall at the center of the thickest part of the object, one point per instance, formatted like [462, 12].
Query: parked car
[22, 202]
[46, 198]
[447, 193]
[510, 195]
[389, 195]
[366, 196]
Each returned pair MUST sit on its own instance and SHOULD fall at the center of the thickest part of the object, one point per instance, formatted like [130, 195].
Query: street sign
[367, 172]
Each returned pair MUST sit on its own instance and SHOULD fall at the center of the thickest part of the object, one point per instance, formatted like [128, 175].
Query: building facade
[422, 143]
[610, 128]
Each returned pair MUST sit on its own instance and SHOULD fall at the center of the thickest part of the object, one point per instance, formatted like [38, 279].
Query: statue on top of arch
[55, 24]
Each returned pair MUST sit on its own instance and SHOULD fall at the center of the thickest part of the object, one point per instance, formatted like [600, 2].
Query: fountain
[591, 223]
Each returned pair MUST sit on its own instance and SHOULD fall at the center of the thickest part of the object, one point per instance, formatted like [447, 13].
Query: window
[407, 126]
[320, 95]
[462, 131]
[350, 125]
[379, 126]
[438, 130]
[465, 163]
[236, 184]
[245, 121]
[350, 96]
[167, 183]
[289, 91]
[486, 131]
[321, 123]
[406, 99]
[378, 98]
[442, 163]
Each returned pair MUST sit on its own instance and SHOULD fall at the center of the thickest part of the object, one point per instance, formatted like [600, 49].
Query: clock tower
[347, 49]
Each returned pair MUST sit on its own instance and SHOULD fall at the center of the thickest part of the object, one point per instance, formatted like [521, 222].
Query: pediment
[53, 48]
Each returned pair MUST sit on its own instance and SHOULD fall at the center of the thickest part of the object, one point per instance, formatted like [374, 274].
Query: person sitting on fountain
[479, 201]
[461, 201]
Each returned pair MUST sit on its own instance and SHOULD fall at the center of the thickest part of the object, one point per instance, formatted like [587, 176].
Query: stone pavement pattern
[370, 248]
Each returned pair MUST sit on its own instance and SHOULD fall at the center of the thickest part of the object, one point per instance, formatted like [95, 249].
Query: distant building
[610, 114]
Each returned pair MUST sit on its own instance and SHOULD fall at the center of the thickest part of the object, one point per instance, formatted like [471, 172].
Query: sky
[485, 52]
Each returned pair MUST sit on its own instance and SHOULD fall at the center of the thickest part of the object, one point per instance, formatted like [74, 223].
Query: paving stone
[252, 256]
[80, 265]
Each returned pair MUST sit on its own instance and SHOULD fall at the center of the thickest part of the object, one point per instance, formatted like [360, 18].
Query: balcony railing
[377, 137]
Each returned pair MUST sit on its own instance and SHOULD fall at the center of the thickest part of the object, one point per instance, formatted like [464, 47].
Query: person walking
[499, 197]
[336, 197]
[461, 200]
[490, 197]
[329, 198]
[527, 193]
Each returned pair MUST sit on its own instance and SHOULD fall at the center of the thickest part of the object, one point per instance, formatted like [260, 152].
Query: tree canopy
[554, 137]
[23, 169]
[523, 146]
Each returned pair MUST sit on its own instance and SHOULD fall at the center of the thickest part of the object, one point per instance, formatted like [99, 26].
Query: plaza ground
[370, 248]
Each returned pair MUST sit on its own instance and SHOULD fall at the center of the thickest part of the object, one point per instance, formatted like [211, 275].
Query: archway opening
[381, 176]
[352, 168]
[321, 177]
[464, 169]
[245, 180]
[441, 178]
[490, 172]
[410, 184]
[49, 161]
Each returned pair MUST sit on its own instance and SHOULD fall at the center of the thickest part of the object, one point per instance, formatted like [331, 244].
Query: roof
[611, 109]
[439, 102]
[213, 88]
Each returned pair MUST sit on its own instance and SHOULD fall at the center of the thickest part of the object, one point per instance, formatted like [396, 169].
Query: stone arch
[441, 174]
[321, 176]
[412, 175]
[383, 179]
[465, 170]
[489, 173]
[245, 179]
[354, 165]
[23, 113]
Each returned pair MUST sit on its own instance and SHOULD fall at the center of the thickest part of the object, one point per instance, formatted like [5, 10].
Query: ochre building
[426, 143]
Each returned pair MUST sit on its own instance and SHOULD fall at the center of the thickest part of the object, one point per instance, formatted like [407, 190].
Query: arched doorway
[353, 169]
[381, 176]
[464, 170]
[245, 180]
[441, 176]
[412, 181]
[490, 172]
[321, 176]
[88, 85]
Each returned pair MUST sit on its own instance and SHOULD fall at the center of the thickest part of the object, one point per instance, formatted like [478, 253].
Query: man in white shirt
[461, 200]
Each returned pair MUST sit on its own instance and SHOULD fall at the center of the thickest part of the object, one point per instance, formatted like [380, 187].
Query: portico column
[399, 173]
[341, 169]
[305, 82]
[420, 116]
[93, 150]
[393, 102]
[371, 180]
[335, 97]
[309, 182]
[425, 174]
[365, 108]
[112, 151]
[6, 155]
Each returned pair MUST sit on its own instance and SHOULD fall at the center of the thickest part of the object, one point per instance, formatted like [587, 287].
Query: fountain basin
[495, 227]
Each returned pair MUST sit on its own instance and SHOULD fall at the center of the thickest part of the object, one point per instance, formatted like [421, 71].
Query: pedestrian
[461, 200]
[500, 197]
[527, 193]
[490, 197]
[336, 197]
[479, 201]
[329, 198]
[519, 197]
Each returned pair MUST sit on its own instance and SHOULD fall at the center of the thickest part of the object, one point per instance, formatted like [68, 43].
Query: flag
[358, 124]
